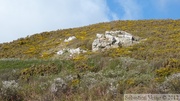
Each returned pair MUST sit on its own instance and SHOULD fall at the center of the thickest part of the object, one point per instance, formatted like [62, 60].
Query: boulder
[112, 39]
[70, 39]
[71, 51]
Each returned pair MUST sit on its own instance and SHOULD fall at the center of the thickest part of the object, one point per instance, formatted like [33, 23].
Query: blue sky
[145, 9]
[19, 18]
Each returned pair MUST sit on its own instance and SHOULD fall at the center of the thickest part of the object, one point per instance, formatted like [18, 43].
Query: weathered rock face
[70, 39]
[71, 51]
[112, 39]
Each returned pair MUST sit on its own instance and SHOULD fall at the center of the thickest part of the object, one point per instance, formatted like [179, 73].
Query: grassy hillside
[162, 38]
[151, 66]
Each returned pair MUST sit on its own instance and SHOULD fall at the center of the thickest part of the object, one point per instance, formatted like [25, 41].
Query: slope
[161, 35]
[30, 68]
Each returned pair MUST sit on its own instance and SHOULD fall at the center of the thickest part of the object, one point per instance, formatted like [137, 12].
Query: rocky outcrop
[71, 51]
[70, 39]
[112, 39]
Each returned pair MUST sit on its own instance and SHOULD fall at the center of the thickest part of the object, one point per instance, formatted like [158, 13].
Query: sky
[20, 18]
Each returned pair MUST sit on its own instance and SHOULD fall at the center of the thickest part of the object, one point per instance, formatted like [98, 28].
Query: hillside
[161, 38]
[150, 66]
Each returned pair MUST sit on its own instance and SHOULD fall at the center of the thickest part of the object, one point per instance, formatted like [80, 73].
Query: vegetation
[33, 70]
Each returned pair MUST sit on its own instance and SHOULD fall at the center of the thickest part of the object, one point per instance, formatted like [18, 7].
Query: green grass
[17, 63]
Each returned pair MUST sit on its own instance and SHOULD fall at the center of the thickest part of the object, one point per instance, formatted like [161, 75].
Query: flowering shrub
[58, 86]
[38, 70]
[169, 67]
[10, 91]
[171, 84]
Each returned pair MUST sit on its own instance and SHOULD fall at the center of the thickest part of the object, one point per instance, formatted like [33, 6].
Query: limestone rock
[112, 39]
[71, 51]
[76, 51]
[70, 39]
[60, 52]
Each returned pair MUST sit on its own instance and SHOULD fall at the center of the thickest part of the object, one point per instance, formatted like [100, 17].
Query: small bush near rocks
[171, 84]
[10, 91]
[59, 85]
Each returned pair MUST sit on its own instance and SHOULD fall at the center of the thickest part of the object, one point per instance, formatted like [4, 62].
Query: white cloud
[131, 9]
[19, 18]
